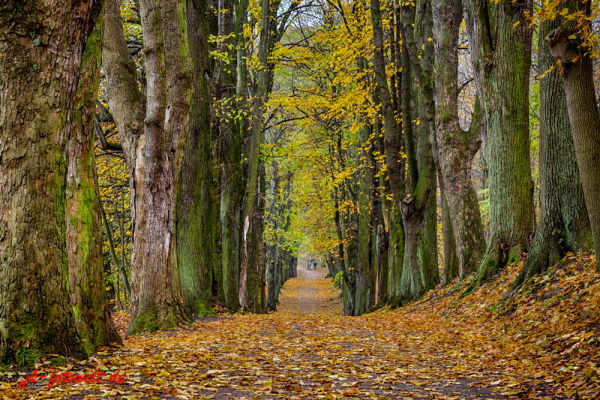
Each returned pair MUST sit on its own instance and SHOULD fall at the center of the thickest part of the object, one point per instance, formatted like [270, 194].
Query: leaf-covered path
[307, 350]
[310, 294]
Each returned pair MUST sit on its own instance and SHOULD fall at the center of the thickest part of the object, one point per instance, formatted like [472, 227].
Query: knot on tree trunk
[564, 43]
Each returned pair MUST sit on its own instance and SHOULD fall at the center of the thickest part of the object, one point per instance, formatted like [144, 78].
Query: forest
[208, 167]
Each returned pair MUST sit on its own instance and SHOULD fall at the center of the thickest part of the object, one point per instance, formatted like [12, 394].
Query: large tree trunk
[127, 104]
[82, 219]
[366, 270]
[456, 148]
[420, 272]
[158, 142]
[38, 84]
[564, 225]
[254, 148]
[567, 46]
[450, 258]
[419, 264]
[273, 266]
[500, 41]
[395, 254]
[194, 217]
[230, 150]
[157, 301]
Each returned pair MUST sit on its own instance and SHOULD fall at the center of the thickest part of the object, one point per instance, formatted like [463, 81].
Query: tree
[44, 310]
[159, 137]
[456, 147]
[564, 225]
[414, 192]
[194, 214]
[500, 44]
[569, 47]
[83, 209]
[230, 133]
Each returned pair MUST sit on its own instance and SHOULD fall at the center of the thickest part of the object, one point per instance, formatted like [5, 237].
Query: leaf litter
[540, 343]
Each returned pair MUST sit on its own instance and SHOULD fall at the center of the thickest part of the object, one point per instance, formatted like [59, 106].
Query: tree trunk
[41, 313]
[564, 225]
[450, 258]
[230, 151]
[420, 272]
[83, 223]
[217, 285]
[365, 271]
[255, 244]
[157, 301]
[500, 41]
[456, 148]
[194, 219]
[567, 45]
[254, 148]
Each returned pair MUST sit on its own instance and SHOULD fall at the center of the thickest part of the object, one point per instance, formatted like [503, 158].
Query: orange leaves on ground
[540, 344]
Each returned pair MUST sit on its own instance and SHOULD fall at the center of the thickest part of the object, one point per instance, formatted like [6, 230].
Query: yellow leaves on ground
[310, 294]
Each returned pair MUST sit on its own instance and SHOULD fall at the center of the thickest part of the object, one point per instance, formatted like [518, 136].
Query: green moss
[513, 259]
[141, 322]
[8, 357]
[205, 311]
[26, 356]
[150, 321]
[58, 361]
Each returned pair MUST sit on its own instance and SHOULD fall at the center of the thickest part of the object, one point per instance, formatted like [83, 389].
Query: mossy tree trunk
[420, 272]
[567, 45]
[82, 220]
[158, 140]
[366, 273]
[194, 218]
[456, 148]
[564, 225]
[157, 301]
[275, 250]
[232, 84]
[427, 156]
[217, 283]
[253, 152]
[450, 258]
[412, 191]
[500, 41]
[256, 245]
[379, 202]
[38, 88]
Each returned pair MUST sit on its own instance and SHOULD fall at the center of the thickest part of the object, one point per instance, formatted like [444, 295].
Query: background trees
[334, 125]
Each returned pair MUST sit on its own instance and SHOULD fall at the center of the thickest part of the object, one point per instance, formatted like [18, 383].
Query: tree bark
[230, 150]
[194, 217]
[366, 270]
[564, 225]
[157, 301]
[500, 42]
[420, 272]
[456, 148]
[83, 223]
[38, 90]
[450, 258]
[254, 148]
[568, 46]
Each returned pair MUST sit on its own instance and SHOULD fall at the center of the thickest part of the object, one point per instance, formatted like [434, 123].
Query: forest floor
[541, 343]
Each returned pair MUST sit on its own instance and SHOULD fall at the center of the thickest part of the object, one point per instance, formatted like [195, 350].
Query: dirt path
[310, 294]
